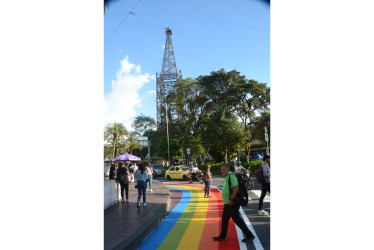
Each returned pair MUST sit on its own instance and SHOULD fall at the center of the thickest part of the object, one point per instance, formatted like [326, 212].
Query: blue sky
[207, 35]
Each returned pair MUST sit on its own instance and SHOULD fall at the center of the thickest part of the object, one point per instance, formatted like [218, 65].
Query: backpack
[260, 175]
[121, 174]
[241, 197]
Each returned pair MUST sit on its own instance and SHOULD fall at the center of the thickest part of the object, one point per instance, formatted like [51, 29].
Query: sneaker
[262, 212]
[248, 238]
[144, 204]
[151, 190]
[138, 204]
[219, 238]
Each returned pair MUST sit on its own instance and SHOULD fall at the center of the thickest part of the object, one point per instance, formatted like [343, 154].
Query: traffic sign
[188, 151]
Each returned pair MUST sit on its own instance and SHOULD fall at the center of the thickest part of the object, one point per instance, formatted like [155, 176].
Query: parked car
[177, 172]
[256, 157]
[158, 170]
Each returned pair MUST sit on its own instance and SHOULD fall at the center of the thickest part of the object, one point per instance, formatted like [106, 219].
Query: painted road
[193, 222]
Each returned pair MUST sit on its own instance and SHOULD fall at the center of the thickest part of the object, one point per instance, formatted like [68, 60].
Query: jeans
[207, 187]
[124, 185]
[233, 212]
[142, 186]
[150, 181]
[265, 188]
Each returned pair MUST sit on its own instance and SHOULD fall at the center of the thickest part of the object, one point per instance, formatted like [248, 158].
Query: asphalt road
[259, 223]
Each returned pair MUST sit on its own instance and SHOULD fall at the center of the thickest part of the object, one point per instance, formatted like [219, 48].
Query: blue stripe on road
[158, 236]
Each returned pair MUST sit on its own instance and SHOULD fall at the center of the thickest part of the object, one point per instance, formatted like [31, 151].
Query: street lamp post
[166, 106]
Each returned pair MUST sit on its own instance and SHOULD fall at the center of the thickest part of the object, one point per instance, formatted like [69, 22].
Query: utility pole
[166, 106]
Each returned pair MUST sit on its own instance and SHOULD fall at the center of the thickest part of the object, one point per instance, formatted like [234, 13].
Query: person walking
[266, 184]
[123, 181]
[141, 177]
[230, 209]
[113, 171]
[208, 180]
[150, 175]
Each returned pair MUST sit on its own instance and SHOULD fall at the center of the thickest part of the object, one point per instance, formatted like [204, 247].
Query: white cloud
[151, 91]
[120, 103]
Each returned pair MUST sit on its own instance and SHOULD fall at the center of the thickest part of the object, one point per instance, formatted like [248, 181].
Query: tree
[258, 126]
[113, 132]
[143, 123]
[225, 135]
[230, 90]
[132, 143]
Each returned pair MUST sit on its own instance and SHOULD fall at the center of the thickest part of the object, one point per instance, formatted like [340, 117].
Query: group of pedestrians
[123, 173]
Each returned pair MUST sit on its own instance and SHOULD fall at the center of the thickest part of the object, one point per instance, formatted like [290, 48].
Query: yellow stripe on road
[192, 236]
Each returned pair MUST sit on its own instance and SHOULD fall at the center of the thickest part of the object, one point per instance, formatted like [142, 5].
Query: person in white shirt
[266, 184]
[194, 171]
[150, 175]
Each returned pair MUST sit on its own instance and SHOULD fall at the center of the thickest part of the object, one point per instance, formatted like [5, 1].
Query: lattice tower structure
[166, 80]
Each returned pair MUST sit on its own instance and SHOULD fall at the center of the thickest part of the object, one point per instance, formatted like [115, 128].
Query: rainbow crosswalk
[193, 222]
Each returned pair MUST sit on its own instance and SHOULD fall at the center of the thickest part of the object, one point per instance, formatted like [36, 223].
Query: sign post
[267, 140]
[189, 156]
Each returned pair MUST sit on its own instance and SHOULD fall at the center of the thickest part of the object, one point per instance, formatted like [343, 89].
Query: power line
[130, 12]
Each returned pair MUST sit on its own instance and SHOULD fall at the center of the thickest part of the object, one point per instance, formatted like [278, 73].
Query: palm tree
[132, 143]
[115, 131]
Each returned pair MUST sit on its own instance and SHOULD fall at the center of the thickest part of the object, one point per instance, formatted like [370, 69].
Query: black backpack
[121, 174]
[241, 198]
[260, 175]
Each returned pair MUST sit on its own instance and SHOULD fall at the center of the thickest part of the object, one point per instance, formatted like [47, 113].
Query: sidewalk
[126, 226]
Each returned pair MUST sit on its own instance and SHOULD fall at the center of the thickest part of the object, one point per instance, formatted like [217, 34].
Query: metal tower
[167, 78]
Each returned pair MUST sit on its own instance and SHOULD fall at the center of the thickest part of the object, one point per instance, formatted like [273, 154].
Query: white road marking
[239, 232]
[258, 193]
[256, 241]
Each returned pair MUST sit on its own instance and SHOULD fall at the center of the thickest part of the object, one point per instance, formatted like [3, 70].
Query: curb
[139, 236]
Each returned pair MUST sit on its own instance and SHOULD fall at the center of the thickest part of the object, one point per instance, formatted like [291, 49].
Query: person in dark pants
[123, 181]
[230, 209]
[141, 177]
[113, 171]
[265, 184]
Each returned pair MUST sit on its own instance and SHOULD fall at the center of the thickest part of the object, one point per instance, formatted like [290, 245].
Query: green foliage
[213, 115]
[252, 165]
[143, 123]
[132, 143]
[259, 124]
[114, 132]
[215, 167]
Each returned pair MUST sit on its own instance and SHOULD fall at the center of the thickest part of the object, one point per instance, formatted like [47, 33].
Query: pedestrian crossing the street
[258, 193]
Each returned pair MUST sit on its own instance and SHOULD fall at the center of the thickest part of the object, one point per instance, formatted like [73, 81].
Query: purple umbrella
[127, 157]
